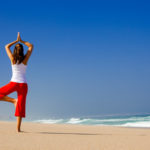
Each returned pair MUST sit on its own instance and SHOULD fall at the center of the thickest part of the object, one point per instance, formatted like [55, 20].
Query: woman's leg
[21, 103]
[19, 119]
[6, 90]
[9, 99]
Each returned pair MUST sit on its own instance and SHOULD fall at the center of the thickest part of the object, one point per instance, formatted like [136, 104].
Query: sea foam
[125, 121]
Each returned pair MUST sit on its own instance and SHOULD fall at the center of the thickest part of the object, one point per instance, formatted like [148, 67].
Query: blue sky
[90, 57]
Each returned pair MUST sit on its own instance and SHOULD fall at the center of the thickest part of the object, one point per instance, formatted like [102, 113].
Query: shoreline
[76, 124]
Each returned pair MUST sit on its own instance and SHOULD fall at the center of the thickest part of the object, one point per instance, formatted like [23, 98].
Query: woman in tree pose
[18, 81]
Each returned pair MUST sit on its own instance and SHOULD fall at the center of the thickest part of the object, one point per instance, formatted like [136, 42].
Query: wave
[138, 124]
[126, 121]
[50, 121]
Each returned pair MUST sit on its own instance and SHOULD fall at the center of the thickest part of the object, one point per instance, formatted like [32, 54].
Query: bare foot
[18, 130]
[15, 103]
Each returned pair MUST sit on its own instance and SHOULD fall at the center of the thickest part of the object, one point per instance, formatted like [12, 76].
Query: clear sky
[90, 57]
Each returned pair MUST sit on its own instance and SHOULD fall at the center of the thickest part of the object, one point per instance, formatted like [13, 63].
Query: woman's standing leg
[19, 120]
[21, 103]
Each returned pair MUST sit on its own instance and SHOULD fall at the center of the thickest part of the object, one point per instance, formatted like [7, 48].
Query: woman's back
[19, 73]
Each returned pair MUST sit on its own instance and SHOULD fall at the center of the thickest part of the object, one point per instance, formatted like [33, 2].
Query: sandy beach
[37, 136]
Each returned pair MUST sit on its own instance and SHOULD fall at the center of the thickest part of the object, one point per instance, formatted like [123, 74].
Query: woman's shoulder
[12, 63]
[24, 63]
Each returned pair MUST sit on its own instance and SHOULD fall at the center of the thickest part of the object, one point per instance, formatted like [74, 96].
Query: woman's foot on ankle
[15, 102]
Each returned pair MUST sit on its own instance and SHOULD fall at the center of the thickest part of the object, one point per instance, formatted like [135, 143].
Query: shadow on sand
[63, 133]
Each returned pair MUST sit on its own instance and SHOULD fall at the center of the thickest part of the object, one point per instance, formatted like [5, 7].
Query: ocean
[142, 120]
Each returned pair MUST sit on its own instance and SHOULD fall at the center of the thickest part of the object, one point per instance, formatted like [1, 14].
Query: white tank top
[18, 73]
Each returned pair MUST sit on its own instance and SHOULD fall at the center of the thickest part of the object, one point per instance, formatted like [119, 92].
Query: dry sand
[36, 136]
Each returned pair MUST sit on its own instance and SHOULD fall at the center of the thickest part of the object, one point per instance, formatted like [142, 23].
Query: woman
[18, 81]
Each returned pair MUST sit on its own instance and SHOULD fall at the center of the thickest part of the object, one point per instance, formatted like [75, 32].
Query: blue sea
[110, 120]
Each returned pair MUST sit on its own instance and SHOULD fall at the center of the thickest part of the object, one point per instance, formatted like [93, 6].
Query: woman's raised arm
[27, 44]
[28, 54]
[7, 47]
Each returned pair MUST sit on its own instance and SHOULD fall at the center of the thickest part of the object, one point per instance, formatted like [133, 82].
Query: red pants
[21, 89]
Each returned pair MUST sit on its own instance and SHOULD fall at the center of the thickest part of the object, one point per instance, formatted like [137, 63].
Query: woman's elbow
[6, 46]
[31, 46]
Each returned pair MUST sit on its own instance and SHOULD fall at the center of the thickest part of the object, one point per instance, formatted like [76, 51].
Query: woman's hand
[18, 37]
[24, 42]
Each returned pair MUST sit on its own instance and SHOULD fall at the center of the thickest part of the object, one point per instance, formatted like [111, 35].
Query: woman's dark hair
[18, 54]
